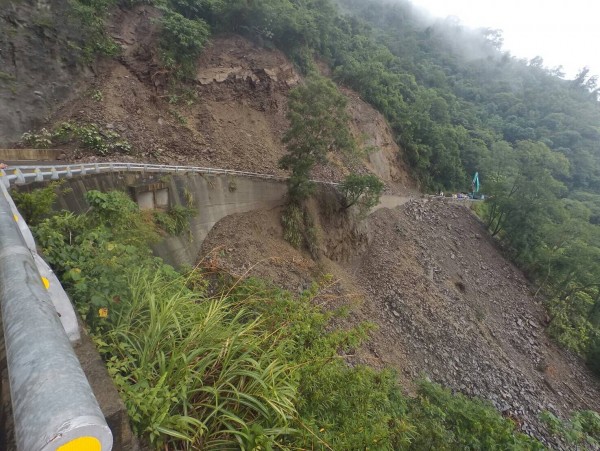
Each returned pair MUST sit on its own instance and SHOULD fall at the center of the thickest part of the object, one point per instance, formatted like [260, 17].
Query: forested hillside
[533, 135]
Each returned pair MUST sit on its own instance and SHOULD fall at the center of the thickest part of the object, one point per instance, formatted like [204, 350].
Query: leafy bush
[102, 141]
[90, 15]
[89, 252]
[36, 205]
[175, 220]
[182, 41]
[40, 140]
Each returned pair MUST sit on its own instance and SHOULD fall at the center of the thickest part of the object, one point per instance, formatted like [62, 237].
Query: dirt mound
[447, 304]
[250, 244]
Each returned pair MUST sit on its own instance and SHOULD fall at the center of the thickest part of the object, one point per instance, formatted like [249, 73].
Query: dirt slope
[232, 115]
[447, 304]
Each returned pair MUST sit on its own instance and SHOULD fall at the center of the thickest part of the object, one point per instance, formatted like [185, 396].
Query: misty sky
[562, 32]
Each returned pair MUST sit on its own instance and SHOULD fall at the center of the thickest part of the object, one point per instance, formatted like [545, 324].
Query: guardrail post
[53, 405]
[54, 175]
[20, 177]
[39, 177]
[69, 174]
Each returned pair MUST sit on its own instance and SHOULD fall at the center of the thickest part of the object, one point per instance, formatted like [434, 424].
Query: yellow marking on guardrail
[46, 283]
[15, 217]
[82, 444]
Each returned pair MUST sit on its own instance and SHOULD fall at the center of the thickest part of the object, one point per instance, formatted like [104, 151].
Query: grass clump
[194, 370]
[175, 220]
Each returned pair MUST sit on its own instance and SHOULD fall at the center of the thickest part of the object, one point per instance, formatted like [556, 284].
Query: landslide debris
[452, 308]
[231, 115]
[448, 305]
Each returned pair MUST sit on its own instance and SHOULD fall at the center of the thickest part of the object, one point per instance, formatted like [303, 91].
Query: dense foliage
[215, 363]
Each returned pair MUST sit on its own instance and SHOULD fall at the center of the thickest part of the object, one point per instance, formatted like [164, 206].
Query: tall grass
[196, 373]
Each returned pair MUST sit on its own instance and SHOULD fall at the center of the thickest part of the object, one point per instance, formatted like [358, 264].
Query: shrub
[36, 205]
[101, 141]
[174, 221]
[182, 41]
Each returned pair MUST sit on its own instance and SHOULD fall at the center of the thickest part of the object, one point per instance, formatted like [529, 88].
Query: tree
[318, 124]
[182, 41]
[362, 189]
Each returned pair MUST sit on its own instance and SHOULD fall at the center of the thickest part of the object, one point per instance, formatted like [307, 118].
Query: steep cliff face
[38, 67]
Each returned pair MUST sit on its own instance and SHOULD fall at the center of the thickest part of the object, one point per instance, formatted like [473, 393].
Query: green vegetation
[36, 205]
[362, 189]
[175, 220]
[318, 124]
[91, 136]
[583, 428]
[182, 41]
[89, 15]
[6, 77]
[240, 364]
[299, 229]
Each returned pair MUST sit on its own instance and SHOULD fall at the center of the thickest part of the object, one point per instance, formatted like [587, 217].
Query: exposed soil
[232, 115]
[448, 305]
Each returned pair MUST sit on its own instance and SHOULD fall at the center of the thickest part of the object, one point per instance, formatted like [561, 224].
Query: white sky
[562, 32]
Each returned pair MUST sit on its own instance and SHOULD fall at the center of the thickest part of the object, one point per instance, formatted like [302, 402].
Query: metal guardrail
[54, 407]
[20, 175]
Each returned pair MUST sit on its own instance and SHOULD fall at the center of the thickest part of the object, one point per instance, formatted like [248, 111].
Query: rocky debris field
[447, 304]
[450, 307]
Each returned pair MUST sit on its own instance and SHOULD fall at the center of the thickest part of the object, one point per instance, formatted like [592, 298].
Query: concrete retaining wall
[213, 196]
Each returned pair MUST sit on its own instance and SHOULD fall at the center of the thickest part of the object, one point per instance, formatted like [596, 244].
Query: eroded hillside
[448, 306]
[231, 115]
